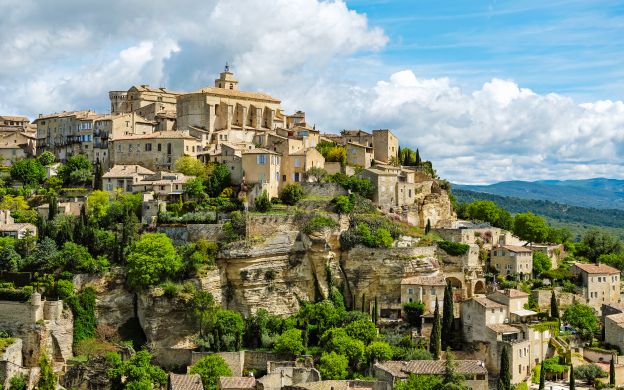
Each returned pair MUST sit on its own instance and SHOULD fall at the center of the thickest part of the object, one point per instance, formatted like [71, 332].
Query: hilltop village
[209, 240]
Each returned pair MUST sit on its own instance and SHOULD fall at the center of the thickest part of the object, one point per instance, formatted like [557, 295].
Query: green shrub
[83, 308]
[318, 223]
[342, 204]
[291, 194]
[262, 202]
[17, 295]
[454, 248]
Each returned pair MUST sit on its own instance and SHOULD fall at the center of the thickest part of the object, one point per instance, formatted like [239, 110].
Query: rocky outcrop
[435, 207]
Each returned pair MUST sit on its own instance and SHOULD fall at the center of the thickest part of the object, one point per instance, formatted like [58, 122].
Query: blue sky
[570, 47]
[488, 91]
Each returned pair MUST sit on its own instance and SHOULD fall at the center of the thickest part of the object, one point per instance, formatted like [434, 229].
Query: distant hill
[577, 219]
[594, 193]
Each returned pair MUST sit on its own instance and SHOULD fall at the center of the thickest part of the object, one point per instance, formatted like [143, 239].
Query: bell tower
[226, 79]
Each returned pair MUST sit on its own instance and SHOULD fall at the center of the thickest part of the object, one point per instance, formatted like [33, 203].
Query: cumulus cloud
[499, 132]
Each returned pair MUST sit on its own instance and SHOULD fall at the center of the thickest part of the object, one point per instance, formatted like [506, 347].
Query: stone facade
[601, 284]
[509, 259]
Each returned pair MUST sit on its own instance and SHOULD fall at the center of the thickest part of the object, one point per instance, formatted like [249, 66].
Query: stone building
[165, 186]
[159, 150]
[386, 146]
[124, 177]
[15, 145]
[359, 155]
[108, 127]
[141, 97]
[600, 284]
[512, 260]
[474, 372]
[9, 228]
[614, 330]
[425, 289]
[296, 164]
[261, 171]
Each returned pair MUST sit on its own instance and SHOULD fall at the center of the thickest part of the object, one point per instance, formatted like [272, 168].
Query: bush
[210, 368]
[318, 223]
[18, 382]
[454, 248]
[17, 295]
[151, 260]
[342, 204]
[333, 366]
[83, 308]
[291, 194]
[262, 202]
[290, 342]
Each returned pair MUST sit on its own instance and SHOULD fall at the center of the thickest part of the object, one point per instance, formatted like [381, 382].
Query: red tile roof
[596, 268]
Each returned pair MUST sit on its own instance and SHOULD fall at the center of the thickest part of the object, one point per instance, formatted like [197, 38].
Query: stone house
[600, 283]
[16, 145]
[386, 145]
[159, 150]
[124, 177]
[425, 289]
[555, 252]
[140, 97]
[108, 127]
[479, 312]
[231, 155]
[66, 134]
[9, 228]
[64, 208]
[467, 232]
[359, 155]
[474, 372]
[261, 169]
[614, 330]
[297, 163]
[511, 259]
[165, 186]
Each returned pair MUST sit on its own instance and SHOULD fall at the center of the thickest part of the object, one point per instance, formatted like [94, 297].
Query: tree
[98, 205]
[378, 351]
[589, 373]
[204, 309]
[343, 204]
[218, 179]
[52, 206]
[572, 383]
[81, 176]
[262, 202]
[291, 194]
[542, 378]
[448, 316]
[428, 226]
[18, 382]
[530, 227]
[582, 318]
[505, 371]
[344, 345]
[190, 166]
[596, 243]
[228, 330]
[28, 171]
[554, 307]
[76, 258]
[363, 330]
[75, 163]
[97, 175]
[413, 313]
[47, 377]
[333, 366]
[194, 188]
[541, 263]
[290, 342]
[451, 378]
[435, 340]
[151, 260]
[419, 382]
[315, 173]
[137, 371]
[46, 158]
[210, 368]
[612, 372]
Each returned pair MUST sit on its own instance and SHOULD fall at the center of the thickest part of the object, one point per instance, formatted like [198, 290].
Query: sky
[487, 90]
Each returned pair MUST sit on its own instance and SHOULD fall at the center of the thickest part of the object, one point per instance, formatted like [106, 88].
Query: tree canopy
[210, 368]
[151, 260]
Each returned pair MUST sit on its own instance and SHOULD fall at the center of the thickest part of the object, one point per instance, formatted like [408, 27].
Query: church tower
[226, 80]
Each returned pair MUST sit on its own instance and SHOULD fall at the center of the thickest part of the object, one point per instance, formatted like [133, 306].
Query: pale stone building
[467, 232]
[359, 155]
[261, 170]
[425, 289]
[386, 146]
[614, 330]
[108, 127]
[14, 123]
[479, 312]
[64, 208]
[9, 228]
[156, 151]
[15, 145]
[141, 96]
[164, 185]
[600, 283]
[474, 372]
[296, 164]
[124, 177]
[511, 259]
[66, 134]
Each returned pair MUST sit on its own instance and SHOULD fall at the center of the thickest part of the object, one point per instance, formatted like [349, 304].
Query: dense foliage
[210, 368]
[151, 260]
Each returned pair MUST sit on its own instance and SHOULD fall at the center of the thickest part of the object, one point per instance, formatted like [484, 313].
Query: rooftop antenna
[227, 66]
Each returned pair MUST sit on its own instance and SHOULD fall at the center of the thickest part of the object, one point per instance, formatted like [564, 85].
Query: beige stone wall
[268, 172]
[507, 262]
[599, 289]
[145, 151]
[358, 156]
[386, 145]
[10, 363]
[614, 333]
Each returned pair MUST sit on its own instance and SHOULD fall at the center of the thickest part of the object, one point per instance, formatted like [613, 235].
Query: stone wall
[192, 232]
[564, 299]
[21, 312]
[329, 190]
[242, 361]
[10, 362]
[270, 224]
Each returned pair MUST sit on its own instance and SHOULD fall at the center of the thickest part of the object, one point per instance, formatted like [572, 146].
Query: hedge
[454, 248]
[11, 294]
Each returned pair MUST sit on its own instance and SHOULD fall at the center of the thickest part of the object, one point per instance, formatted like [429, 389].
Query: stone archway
[479, 287]
[457, 288]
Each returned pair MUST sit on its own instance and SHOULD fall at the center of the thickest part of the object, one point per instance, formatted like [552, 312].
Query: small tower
[226, 79]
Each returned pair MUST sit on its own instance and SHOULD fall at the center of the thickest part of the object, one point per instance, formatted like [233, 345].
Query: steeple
[226, 79]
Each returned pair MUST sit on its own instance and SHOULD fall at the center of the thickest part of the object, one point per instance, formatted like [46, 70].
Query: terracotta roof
[65, 114]
[237, 94]
[237, 382]
[185, 382]
[336, 385]
[13, 227]
[596, 268]
[157, 135]
[147, 88]
[354, 133]
[402, 369]
[516, 248]
[487, 303]
[617, 318]
[503, 328]
[437, 280]
[127, 170]
[359, 145]
[14, 118]
[259, 151]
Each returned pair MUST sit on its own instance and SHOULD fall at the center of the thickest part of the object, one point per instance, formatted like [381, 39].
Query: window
[297, 163]
[261, 159]
[159, 147]
[148, 147]
[433, 291]
[296, 176]
[410, 291]
[283, 177]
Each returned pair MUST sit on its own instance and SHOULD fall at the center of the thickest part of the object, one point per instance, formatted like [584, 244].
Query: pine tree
[428, 226]
[612, 372]
[47, 377]
[542, 381]
[434, 341]
[572, 383]
[417, 160]
[505, 373]
[554, 307]
[447, 316]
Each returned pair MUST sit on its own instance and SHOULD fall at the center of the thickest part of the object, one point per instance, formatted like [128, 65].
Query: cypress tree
[612, 372]
[47, 377]
[434, 341]
[554, 307]
[542, 381]
[53, 207]
[375, 308]
[504, 379]
[428, 226]
[447, 316]
[363, 299]
[97, 180]
[400, 156]
[572, 383]
[417, 160]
